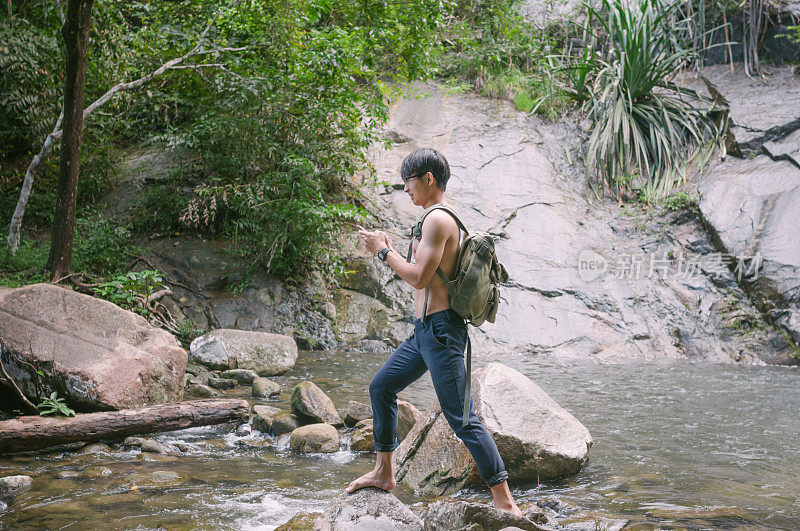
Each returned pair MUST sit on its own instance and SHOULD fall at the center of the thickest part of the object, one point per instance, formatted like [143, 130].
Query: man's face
[415, 185]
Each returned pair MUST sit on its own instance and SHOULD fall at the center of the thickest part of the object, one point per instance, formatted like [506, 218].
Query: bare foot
[509, 506]
[372, 479]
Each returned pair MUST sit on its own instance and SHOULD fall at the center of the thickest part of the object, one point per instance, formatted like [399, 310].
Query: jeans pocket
[439, 330]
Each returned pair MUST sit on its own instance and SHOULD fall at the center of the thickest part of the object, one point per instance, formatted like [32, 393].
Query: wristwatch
[382, 253]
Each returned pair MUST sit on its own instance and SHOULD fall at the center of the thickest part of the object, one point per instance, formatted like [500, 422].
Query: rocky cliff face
[750, 201]
[588, 280]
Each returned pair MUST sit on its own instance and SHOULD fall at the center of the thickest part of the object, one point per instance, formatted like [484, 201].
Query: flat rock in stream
[368, 509]
[537, 438]
[264, 353]
[243, 376]
[100, 356]
[150, 445]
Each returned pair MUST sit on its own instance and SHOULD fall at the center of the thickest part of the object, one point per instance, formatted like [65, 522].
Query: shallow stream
[689, 445]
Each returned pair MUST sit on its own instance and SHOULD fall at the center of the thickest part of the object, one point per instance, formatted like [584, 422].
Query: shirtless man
[437, 344]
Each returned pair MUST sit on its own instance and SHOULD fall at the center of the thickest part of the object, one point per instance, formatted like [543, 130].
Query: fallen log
[31, 432]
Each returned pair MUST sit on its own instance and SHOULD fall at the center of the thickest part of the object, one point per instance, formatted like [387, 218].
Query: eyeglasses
[406, 179]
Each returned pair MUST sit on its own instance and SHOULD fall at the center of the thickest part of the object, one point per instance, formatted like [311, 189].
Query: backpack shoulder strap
[416, 229]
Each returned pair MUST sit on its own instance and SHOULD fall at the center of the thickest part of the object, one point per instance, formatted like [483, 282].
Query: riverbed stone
[195, 369]
[311, 404]
[13, 485]
[449, 514]
[222, 383]
[265, 388]
[363, 439]
[356, 412]
[318, 437]
[101, 356]
[243, 376]
[266, 354]
[150, 445]
[284, 422]
[202, 391]
[537, 438]
[95, 448]
[262, 417]
[369, 509]
[407, 416]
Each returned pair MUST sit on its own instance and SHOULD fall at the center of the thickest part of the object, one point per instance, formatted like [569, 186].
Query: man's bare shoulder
[438, 222]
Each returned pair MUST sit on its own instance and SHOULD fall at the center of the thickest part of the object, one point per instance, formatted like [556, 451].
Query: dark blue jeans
[436, 345]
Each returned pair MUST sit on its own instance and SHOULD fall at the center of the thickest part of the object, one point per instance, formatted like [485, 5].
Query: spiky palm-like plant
[645, 126]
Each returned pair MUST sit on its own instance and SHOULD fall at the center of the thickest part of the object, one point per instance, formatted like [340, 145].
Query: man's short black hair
[423, 160]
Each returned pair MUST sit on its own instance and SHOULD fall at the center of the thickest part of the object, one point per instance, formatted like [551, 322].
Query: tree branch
[27, 185]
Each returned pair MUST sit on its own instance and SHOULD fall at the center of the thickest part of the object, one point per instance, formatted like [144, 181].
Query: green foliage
[579, 74]
[794, 36]
[30, 87]
[159, 211]
[54, 405]
[187, 331]
[131, 290]
[27, 267]
[679, 201]
[102, 246]
[644, 125]
[490, 44]
[277, 129]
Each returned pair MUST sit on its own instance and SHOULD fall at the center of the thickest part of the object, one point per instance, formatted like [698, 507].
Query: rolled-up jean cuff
[497, 478]
[381, 447]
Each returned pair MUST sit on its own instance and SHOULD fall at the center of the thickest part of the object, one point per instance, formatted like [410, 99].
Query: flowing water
[688, 445]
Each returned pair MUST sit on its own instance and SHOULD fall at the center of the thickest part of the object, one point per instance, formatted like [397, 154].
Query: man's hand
[373, 241]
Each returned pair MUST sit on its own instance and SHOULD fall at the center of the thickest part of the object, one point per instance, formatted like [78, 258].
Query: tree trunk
[34, 433]
[76, 37]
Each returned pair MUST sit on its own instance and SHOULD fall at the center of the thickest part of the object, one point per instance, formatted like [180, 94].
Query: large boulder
[537, 438]
[368, 509]
[95, 354]
[315, 438]
[311, 404]
[450, 514]
[266, 354]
